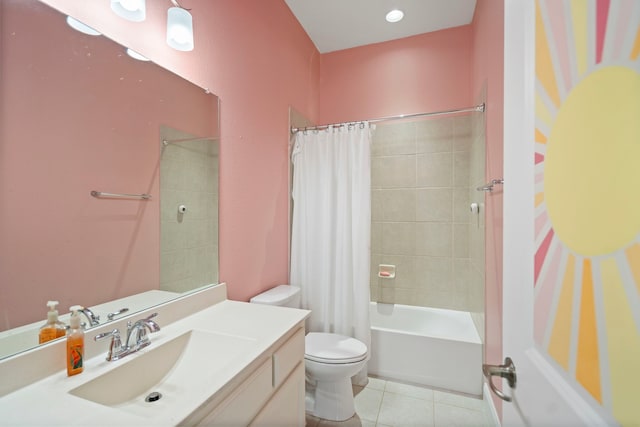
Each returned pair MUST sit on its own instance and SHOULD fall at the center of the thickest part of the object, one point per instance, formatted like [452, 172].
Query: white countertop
[48, 401]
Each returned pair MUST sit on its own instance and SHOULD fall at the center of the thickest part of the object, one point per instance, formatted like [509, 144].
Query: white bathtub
[427, 346]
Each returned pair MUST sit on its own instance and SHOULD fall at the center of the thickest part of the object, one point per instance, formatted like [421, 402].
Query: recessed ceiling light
[83, 28]
[395, 15]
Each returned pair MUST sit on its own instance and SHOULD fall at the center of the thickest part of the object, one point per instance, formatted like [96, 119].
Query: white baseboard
[489, 406]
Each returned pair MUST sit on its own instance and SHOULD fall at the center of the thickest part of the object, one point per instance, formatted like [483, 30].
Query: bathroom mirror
[79, 115]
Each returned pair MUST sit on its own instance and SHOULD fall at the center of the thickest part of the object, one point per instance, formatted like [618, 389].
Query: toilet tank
[282, 295]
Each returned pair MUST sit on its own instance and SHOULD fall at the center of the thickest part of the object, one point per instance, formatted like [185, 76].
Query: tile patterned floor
[389, 404]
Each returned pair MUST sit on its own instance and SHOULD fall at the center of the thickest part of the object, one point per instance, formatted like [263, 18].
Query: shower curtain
[330, 243]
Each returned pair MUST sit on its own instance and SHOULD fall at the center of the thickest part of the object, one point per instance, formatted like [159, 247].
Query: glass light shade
[135, 55]
[179, 29]
[132, 10]
[83, 28]
[395, 15]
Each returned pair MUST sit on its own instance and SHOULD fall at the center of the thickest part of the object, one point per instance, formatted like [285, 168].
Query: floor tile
[391, 404]
[354, 421]
[409, 390]
[376, 383]
[455, 416]
[459, 400]
[404, 411]
[367, 404]
[311, 421]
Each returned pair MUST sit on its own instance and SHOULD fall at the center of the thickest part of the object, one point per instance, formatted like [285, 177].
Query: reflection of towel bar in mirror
[489, 185]
[99, 194]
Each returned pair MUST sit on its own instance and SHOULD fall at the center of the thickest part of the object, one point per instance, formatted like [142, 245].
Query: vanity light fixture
[179, 27]
[395, 15]
[135, 55]
[83, 28]
[132, 10]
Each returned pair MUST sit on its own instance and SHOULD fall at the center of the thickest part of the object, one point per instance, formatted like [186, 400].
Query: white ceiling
[342, 24]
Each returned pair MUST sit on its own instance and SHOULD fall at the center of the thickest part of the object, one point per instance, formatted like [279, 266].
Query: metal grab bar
[99, 194]
[489, 185]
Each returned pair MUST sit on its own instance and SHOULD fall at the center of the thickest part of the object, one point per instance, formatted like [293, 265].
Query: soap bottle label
[75, 359]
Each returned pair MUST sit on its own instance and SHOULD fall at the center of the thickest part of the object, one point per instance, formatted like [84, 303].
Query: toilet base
[330, 400]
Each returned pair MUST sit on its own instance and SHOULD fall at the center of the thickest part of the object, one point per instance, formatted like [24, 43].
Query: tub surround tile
[433, 273]
[428, 128]
[434, 170]
[460, 241]
[397, 204]
[433, 204]
[394, 139]
[423, 175]
[461, 206]
[461, 166]
[393, 172]
[433, 239]
[398, 238]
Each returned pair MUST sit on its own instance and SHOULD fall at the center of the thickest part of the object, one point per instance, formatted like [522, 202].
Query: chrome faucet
[116, 351]
[92, 318]
[138, 330]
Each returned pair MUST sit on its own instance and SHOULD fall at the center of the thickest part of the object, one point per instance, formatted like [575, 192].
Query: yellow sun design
[587, 203]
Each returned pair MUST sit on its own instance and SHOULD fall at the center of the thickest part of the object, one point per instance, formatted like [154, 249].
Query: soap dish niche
[386, 271]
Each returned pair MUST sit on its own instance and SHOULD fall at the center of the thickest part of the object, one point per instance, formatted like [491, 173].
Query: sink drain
[152, 397]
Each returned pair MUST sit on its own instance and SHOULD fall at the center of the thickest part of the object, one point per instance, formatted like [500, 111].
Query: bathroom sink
[173, 369]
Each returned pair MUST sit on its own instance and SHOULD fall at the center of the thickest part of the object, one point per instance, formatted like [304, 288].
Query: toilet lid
[333, 348]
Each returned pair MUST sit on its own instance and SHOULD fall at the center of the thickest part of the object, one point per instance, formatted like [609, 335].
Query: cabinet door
[286, 407]
[287, 357]
[239, 408]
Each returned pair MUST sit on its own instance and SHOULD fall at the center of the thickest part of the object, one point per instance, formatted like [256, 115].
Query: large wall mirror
[78, 114]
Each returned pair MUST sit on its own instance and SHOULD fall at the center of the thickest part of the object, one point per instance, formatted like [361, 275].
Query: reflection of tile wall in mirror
[188, 210]
[78, 114]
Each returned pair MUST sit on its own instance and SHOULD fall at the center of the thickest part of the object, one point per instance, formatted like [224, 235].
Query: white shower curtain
[330, 244]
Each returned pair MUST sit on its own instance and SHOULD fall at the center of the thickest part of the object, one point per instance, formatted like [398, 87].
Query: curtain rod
[478, 108]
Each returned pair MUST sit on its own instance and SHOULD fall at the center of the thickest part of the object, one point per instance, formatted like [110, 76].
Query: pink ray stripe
[539, 177]
[622, 26]
[539, 158]
[545, 296]
[541, 221]
[541, 254]
[556, 15]
[602, 14]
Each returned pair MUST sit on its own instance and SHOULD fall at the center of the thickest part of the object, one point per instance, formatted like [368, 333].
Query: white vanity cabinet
[271, 395]
[239, 364]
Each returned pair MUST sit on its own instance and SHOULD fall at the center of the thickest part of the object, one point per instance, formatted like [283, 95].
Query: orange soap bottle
[53, 328]
[75, 343]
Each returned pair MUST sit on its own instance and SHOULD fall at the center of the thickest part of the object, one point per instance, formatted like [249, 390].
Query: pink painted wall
[428, 72]
[488, 66]
[79, 115]
[255, 56]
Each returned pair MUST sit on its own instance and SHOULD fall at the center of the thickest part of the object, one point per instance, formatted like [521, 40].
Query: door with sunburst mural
[572, 210]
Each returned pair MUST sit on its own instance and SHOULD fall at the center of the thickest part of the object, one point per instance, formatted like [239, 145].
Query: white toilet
[330, 362]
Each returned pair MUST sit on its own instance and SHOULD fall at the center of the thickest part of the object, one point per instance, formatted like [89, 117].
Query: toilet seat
[329, 348]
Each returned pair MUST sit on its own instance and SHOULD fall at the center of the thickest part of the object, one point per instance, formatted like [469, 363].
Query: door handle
[506, 370]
